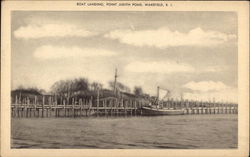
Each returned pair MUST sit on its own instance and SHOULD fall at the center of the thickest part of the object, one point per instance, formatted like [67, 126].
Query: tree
[96, 85]
[69, 87]
[80, 84]
[138, 91]
[119, 86]
[29, 90]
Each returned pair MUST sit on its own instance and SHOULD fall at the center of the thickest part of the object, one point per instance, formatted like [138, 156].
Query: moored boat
[158, 110]
[150, 111]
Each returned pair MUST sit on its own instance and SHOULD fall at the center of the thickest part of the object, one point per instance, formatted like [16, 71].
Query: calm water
[187, 131]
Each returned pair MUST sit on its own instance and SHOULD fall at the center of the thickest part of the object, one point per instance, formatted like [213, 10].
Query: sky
[192, 54]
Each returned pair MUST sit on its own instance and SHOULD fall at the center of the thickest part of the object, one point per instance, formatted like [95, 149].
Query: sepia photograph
[141, 80]
[127, 79]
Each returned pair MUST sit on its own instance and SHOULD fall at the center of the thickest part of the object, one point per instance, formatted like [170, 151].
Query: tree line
[72, 87]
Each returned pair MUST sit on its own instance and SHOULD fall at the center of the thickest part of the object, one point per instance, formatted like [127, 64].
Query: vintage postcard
[124, 78]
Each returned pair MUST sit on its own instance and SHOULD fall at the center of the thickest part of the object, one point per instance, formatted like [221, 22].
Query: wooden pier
[109, 106]
[54, 106]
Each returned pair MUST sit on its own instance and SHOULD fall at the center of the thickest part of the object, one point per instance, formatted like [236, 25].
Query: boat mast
[115, 80]
[158, 93]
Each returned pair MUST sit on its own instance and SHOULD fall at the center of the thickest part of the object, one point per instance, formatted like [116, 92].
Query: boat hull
[146, 111]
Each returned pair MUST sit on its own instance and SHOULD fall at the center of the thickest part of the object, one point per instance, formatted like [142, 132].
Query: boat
[153, 111]
[158, 110]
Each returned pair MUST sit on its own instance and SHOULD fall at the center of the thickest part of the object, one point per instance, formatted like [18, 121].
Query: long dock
[111, 106]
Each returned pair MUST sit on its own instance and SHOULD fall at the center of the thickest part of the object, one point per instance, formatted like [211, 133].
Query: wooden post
[214, 105]
[84, 101]
[231, 108]
[116, 106]
[85, 104]
[198, 105]
[56, 110]
[20, 107]
[61, 100]
[80, 103]
[43, 106]
[194, 107]
[107, 103]
[219, 107]
[216, 108]
[105, 106]
[73, 107]
[16, 100]
[53, 104]
[205, 108]
[141, 108]
[126, 106]
[209, 107]
[172, 103]
[97, 103]
[227, 108]
[12, 113]
[15, 106]
[190, 106]
[26, 107]
[47, 110]
[64, 107]
[212, 108]
[68, 105]
[22, 111]
[135, 107]
[90, 106]
[201, 111]
[30, 107]
[184, 106]
[111, 107]
[234, 108]
[20, 98]
[34, 114]
[122, 106]
[187, 106]
[181, 103]
[167, 103]
[131, 107]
